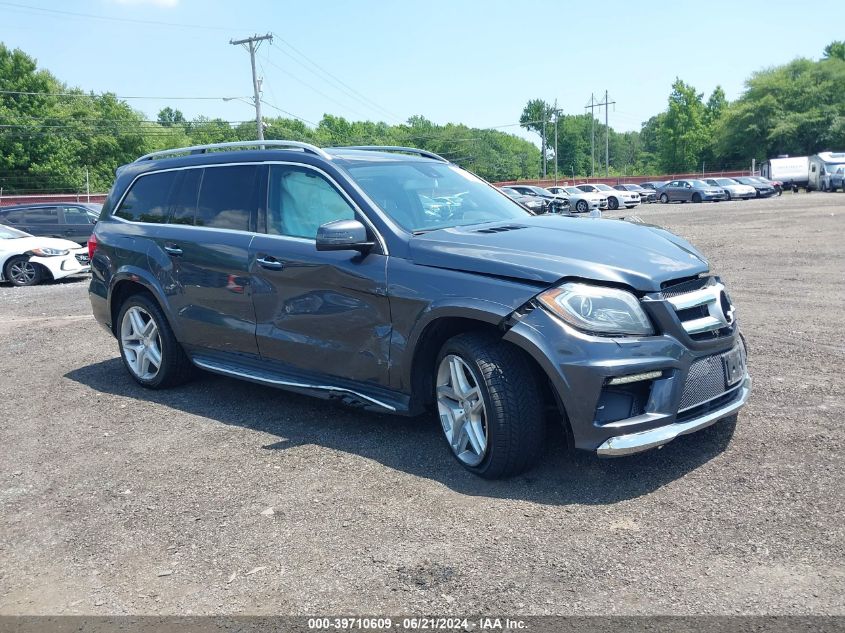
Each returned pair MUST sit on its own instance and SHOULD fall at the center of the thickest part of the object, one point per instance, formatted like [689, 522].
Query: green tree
[796, 109]
[683, 133]
[835, 50]
[168, 117]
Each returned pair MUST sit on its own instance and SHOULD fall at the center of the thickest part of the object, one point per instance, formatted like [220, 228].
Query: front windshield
[604, 188]
[424, 196]
[699, 183]
[572, 190]
[8, 233]
[540, 191]
[725, 181]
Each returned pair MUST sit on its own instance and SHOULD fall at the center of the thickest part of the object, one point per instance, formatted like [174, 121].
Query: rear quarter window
[148, 198]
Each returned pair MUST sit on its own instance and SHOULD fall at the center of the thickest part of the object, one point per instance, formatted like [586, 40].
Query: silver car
[733, 190]
[580, 201]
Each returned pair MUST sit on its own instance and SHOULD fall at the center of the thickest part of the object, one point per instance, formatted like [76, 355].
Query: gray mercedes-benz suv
[392, 280]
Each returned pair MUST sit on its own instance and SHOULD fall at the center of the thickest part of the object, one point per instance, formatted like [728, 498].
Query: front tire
[664, 199]
[150, 351]
[19, 271]
[613, 203]
[581, 206]
[489, 405]
[728, 196]
[696, 198]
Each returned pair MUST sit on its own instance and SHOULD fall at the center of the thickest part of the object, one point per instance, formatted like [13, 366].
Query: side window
[76, 215]
[14, 217]
[147, 200]
[813, 168]
[228, 197]
[44, 215]
[183, 207]
[301, 201]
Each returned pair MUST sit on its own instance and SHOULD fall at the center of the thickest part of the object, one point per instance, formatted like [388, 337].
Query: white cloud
[166, 4]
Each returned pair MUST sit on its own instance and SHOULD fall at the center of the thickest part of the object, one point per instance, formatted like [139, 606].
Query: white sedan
[733, 189]
[580, 201]
[26, 260]
[615, 197]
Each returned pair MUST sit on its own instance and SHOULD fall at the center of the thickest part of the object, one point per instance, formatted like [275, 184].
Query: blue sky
[472, 62]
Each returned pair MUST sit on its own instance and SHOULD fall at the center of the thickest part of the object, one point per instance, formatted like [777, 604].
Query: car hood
[23, 244]
[545, 249]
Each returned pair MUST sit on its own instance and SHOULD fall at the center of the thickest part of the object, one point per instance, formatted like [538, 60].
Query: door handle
[270, 263]
[172, 250]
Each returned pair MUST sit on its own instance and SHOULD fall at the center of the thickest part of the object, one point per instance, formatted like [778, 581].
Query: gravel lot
[114, 499]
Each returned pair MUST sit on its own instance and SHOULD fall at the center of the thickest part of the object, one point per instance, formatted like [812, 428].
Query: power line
[317, 90]
[108, 94]
[295, 116]
[337, 83]
[91, 16]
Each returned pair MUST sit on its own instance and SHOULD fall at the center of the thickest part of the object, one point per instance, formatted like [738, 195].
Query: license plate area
[734, 368]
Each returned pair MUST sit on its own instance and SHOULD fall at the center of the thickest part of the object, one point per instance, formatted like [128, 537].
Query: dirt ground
[118, 500]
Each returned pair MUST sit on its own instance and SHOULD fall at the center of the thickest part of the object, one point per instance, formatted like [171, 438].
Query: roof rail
[202, 149]
[395, 148]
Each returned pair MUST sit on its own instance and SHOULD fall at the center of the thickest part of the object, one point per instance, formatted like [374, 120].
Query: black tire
[19, 271]
[508, 384]
[581, 206]
[612, 203]
[727, 195]
[176, 368]
[696, 198]
[664, 198]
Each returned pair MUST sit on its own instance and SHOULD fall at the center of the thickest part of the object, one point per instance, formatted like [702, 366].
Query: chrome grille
[684, 287]
[702, 306]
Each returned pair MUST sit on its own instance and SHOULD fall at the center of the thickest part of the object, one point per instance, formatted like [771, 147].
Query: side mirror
[343, 235]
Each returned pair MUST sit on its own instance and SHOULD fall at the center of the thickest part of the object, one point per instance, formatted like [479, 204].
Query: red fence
[615, 180]
[6, 201]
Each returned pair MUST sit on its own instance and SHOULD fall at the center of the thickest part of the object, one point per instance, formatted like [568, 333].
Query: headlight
[48, 252]
[597, 309]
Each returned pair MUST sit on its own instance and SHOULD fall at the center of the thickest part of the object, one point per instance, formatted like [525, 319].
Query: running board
[258, 376]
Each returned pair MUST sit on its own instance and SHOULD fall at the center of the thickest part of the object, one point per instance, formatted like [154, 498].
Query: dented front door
[323, 312]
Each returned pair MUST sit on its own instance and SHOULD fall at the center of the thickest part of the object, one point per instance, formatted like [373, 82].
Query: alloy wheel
[463, 414]
[141, 343]
[22, 272]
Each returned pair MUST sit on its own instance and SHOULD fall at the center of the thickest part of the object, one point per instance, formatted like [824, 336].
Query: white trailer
[822, 165]
[790, 170]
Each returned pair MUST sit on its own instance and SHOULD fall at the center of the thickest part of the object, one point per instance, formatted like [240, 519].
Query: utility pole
[592, 106]
[556, 116]
[545, 115]
[251, 44]
[87, 187]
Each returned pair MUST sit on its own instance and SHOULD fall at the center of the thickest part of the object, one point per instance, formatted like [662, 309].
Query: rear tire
[19, 271]
[150, 351]
[487, 397]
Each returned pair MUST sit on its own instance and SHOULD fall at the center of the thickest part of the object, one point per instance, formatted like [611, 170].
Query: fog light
[624, 380]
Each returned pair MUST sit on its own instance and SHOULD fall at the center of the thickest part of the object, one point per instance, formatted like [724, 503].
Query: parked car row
[585, 197]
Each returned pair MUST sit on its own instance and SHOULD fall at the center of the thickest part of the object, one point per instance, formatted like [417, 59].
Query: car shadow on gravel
[415, 445]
